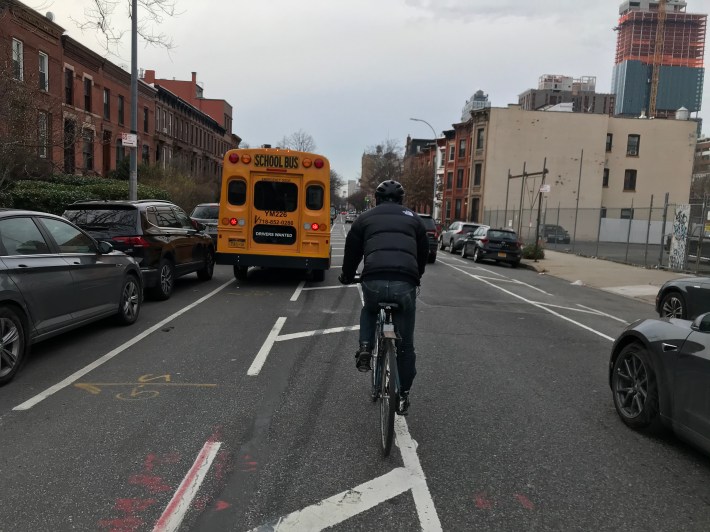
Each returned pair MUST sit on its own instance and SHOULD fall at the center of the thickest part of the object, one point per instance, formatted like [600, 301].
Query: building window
[88, 149]
[87, 94]
[120, 109]
[18, 60]
[448, 209]
[145, 119]
[69, 140]
[69, 86]
[43, 133]
[475, 207]
[452, 154]
[602, 212]
[632, 148]
[449, 180]
[457, 209]
[462, 148]
[120, 151]
[479, 138]
[459, 178]
[627, 214]
[629, 180]
[609, 138]
[477, 172]
[43, 72]
[605, 179]
[145, 155]
[107, 104]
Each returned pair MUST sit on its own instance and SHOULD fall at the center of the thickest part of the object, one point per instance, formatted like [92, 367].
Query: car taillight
[459, 232]
[135, 241]
[484, 241]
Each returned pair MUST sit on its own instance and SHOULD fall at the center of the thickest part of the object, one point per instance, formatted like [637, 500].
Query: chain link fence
[667, 236]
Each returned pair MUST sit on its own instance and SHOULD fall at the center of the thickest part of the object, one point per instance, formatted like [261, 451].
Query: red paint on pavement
[132, 506]
[152, 483]
[527, 504]
[124, 524]
[482, 502]
[221, 505]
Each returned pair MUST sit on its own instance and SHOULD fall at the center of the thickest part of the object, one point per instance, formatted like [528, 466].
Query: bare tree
[418, 183]
[299, 141]
[357, 200]
[151, 14]
[381, 163]
[336, 183]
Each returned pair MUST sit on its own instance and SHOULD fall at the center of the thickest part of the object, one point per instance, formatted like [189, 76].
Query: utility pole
[524, 177]
[133, 170]
[436, 154]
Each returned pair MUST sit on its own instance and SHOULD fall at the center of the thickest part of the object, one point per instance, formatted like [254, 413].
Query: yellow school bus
[274, 211]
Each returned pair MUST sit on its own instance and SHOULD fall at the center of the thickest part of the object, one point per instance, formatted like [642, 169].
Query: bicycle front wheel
[377, 361]
[388, 395]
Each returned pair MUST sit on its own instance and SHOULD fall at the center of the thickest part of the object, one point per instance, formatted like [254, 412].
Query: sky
[353, 73]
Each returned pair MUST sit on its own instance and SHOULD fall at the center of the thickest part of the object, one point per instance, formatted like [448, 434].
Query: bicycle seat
[393, 306]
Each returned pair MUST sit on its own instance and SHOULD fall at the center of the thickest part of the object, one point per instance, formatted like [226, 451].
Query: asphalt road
[233, 405]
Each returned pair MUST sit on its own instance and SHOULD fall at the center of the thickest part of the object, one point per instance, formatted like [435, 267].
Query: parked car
[554, 234]
[208, 215]
[165, 242]
[55, 278]
[350, 217]
[658, 374]
[453, 236]
[684, 298]
[431, 234]
[500, 245]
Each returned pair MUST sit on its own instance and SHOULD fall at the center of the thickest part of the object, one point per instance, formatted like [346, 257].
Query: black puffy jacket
[393, 241]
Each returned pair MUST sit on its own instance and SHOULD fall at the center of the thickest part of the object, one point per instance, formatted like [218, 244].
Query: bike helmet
[389, 190]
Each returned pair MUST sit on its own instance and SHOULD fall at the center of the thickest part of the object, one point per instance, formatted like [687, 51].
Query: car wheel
[673, 306]
[317, 276]
[431, 258]
[240, 272]
[206, 273]
[166, 280]
[635, 388]
[129, 306]
[13, 344]
[442, 247]
[451, 247]
[477, 255]
[463, 250]
[515, 264]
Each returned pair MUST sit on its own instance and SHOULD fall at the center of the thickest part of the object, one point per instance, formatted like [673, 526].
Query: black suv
[431, 234]
[500, 245]
[165, 242]
[554, 234]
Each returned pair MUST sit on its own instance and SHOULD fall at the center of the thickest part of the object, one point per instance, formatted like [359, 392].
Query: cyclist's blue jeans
[405, 295]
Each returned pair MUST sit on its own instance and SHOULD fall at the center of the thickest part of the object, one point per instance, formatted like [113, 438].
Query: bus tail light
[318, 163]
[233, 221]
[314, 226]
[307, 163]
[246, 158]
[233, 158]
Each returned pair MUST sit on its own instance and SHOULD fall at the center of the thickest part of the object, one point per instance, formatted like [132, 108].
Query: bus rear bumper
[296, 263]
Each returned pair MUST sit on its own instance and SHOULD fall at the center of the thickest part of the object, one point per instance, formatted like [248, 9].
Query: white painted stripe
[428, 517]
[533, 303]
[255, 367]
[328, 287]
[297, 293]
[108, 356]
[317, 332]
[177, 507]
[338, 508]
[595, 311]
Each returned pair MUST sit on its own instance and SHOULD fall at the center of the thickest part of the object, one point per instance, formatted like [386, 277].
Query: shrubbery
[531, 251]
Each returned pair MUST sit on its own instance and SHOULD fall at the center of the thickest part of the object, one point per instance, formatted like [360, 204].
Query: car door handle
[669, 347]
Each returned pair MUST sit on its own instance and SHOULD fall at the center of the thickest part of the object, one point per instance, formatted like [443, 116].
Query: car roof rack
[151, 201]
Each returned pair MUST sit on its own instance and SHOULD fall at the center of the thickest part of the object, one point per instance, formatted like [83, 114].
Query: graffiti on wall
[681, 220]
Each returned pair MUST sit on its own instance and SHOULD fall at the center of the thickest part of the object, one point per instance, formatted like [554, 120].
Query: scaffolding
[684, 38]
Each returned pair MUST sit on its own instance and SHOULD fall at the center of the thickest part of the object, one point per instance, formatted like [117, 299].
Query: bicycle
[385, 377]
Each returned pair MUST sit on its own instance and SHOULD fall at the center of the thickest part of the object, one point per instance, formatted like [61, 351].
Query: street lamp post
[436, 153]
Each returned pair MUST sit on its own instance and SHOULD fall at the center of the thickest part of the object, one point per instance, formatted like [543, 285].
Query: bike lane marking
[71, 379]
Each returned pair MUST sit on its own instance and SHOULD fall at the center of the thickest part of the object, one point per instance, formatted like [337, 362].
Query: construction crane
[657, 57]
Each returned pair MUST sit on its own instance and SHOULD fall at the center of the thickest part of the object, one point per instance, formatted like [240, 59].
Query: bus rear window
[275, 196]
[314, 197]
[237, 192]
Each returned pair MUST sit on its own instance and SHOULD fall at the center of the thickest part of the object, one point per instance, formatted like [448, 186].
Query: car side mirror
[198, 225]
[105, 248]
[701, 323]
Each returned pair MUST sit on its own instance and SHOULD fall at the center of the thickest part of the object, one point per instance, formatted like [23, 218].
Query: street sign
[545, 188]
[129, 140]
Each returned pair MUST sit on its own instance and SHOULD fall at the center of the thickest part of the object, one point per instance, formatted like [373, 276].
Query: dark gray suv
[53, 278]
[500, 245]
[165, 242]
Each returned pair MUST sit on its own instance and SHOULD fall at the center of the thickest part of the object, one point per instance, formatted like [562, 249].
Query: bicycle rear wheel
[388, 395]
[377, 362]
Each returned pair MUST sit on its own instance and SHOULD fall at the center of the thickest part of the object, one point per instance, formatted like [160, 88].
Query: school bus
[274, 211]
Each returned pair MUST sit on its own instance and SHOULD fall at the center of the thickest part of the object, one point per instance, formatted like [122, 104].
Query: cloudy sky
[352, 73]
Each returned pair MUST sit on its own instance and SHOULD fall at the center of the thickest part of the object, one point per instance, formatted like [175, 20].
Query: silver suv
[454, 235]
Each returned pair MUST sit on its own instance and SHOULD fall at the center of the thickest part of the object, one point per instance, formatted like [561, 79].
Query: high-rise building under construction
[676, 52]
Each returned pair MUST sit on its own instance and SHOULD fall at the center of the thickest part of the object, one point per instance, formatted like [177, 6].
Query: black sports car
[659, 373]
[684, 298]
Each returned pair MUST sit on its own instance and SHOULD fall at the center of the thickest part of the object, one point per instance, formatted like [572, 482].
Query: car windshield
[502, 235]
[428, 223]
[207, 212]
[89, 217]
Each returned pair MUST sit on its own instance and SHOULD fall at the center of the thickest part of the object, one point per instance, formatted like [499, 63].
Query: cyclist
[394, 243]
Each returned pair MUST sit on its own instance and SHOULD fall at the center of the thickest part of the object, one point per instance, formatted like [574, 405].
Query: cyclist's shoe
[362, 357]
[403, 404]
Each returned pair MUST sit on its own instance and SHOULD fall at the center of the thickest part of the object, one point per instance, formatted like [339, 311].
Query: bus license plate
[237, 243]
[501, 254]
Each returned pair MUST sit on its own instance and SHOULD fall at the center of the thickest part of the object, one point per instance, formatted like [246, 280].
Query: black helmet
[389, 190]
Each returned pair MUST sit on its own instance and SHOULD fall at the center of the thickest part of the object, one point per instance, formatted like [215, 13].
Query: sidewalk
[631, 281]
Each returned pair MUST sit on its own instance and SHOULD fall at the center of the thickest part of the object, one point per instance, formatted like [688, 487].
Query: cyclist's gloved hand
[344, 279]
